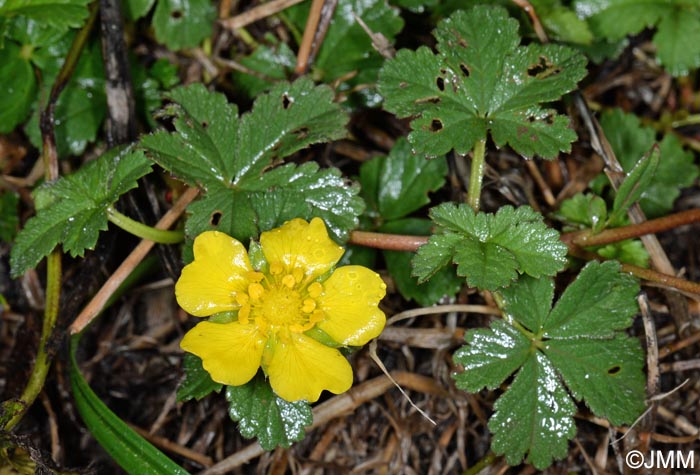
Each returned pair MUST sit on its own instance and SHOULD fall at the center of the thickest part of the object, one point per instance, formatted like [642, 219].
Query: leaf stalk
[161, 236]
[476, 175]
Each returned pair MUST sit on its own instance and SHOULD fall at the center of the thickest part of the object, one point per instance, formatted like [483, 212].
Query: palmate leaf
[72, 210]
[58, 13]
[261, 413]
[677, 38]
[183, 23]
[482, 81]
[231, 158]
[580, 341]
[490, 250]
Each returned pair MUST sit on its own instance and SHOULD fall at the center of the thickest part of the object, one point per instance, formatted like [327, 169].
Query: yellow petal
[220, 269]
[350, 303]
[298, 244]
[300, 368]
[230, 352]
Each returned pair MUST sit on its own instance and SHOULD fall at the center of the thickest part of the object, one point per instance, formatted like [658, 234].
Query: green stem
[690, 120]
[143, 231]
[487, 461]
[43, 358]
[477, 175]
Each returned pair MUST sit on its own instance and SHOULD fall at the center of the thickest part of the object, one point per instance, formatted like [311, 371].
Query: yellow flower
[277, 306]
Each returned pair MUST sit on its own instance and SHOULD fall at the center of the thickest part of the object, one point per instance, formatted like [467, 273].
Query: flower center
[279, 301]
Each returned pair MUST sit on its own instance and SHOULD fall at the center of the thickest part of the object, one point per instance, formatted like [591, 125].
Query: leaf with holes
[261, 413]
[481, 81]
[490, 250]
[72, 210]
[580, 342]
[677, 23]
[233, 159]
[182, 23]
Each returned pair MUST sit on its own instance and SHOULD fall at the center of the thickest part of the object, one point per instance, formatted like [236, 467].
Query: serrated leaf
[533, 416]
[135, 9]
[678, 27]
[607, 373]
[598, 303]
[131, 451]
[261, 413]
[72, 210]
[183, 23]
[197, 383]
[635, 184]
[482, 80]
[17, 86]
[629, 251]
[274, 61]
[630, 140]
[529, 301]
[59, 13]
[230, 157]
[398, 184]
[444, 283]
[588, 210]
[490, 250]
[490, 356]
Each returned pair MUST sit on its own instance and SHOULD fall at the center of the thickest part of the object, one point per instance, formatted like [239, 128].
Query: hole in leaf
[465, 70]
[614, 370]
[215, 218]
[436, 125]
[176, 14]
[543, 68]
[286, 102]
[440, 83]
[403, 85]
[205, 124]
[462, 42]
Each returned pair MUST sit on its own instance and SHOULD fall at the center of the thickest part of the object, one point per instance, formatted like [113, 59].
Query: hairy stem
[162, 236]
[477, 174]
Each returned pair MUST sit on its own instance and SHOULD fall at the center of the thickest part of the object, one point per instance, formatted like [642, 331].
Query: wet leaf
[9, 220]
[490, 250]
[677, 38]
[398, 184]
[17, 86]
[588, 211]
[197, 383]
[482, 81]
[183, 23]
[261, 413]
[232, 158]
[72, 210]
[630, 140]
[635, 184]
[62, 14]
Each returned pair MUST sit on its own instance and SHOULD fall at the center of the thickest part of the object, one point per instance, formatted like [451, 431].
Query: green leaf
[490, 356]
[630, 140]
[131, 451]
[678, 27]
[533, 416]
[58, 13]
[636, 183]
[563, 24]
[72, 210]
[17, 86]
[80, 108]
[481, 81]
[183, 23]
[630, 251]
[398, 184]
[9, 221]
[581, 340]
[261, 413]
[274, 61]
[231, 159]
[135, 9]
[490, 250]
[444, 283]
[347, 48]
[607, 373]
[598, 303]
[587, 210]
[197, 383]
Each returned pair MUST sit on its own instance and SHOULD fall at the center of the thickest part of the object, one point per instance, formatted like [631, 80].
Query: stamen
[315, 290]
[256, 291]
[308, 306]
[243, 314]
[289, 281]
[276, 268]
[255, 276]
[242, 299]
[298, 274]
